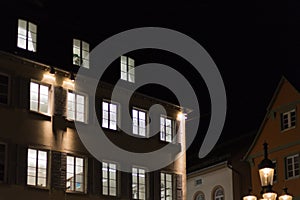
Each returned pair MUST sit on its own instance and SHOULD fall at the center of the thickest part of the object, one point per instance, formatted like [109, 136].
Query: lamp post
[266, 173]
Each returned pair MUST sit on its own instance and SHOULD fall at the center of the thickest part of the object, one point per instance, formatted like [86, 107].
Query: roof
[224, 151]
[274, 97]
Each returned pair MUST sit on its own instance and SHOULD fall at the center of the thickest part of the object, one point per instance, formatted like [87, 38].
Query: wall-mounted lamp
[52, 70]
[72, 76]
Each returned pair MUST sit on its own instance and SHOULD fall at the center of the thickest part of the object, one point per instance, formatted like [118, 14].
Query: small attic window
[288, 120]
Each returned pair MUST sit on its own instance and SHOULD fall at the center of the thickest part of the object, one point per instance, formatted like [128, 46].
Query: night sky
[253, 43]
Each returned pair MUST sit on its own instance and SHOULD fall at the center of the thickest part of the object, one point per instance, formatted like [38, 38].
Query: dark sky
[253, 43]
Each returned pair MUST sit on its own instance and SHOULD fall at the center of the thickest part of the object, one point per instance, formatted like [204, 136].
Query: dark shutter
[21, 165]
[58, 170]
[60, 101]
[178, 186]
[24, 93]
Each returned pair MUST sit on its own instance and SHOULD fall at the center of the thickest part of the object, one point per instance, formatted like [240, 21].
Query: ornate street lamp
[286, 195]
[250, 196]
[266, 169]
[266, 174]
[269, 194]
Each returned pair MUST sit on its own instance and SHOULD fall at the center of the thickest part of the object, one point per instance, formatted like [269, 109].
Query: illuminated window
[37, 168]
[288, 120]
[127, 69]
[109, 179]
[75, 174]
[292, 166]
[166, 186]
[219, 193]
[166, 129]
[139, 122]
[39, 97]
[76, 107]
[81, 53]
[27, 33]
[4, 88]
[2, 161]
[138, 183]
[109, 115]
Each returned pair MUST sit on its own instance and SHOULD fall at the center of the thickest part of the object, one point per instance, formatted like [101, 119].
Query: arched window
[199, 196]
[218, 193]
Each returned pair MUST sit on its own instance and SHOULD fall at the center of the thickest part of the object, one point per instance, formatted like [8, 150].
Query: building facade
[41, 154]
[222, 175]
[280, 131]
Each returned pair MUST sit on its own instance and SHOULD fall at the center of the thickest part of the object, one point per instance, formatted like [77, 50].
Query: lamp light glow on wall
[181, 116]
[49, 76]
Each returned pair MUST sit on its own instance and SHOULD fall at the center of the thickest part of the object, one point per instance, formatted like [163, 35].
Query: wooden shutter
[178, 186]
[21, 165]
[58, 170]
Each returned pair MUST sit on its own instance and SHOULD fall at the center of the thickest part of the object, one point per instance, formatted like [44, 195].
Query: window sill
[32, 187]
[75, 192]
[40, 115]
[292, 178]
[71, 123]
[110, 130]
[288, 129]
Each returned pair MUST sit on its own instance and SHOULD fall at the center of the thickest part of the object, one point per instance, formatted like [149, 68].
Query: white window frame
[109, 117]
[127, 69]
[71, 186]
[164, 127]
[219, 196]
[28, 35]
[112, 182]
[37, 168]
[7, 95]
[139, 122]
[289, 121]
[76, 105]
[200, 196]
[163, 186]
[84, 53]
[292, 157]
[39, 97]
[5, 162]
[138, 183]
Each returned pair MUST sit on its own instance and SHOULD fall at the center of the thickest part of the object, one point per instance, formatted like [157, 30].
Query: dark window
[288, 120]
[4, 87]
[292, 166]
[2, 162]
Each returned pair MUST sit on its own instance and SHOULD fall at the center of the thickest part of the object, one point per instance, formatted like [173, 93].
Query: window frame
[289, 122]
[36, 168]
[214, 197]
[8, 89]
[81, 50]
[109, 102]
[165, 185]
[196, 195]
[26, 37]
[84, 181]
[138, 122]
[127, 70]
[85, 114]
[173, 126]
[49, 97]
[287, 177]
[5, 162]
[109, 179]
[138, 182]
